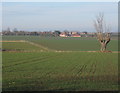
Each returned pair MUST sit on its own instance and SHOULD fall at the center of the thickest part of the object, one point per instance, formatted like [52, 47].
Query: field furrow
[74, 66]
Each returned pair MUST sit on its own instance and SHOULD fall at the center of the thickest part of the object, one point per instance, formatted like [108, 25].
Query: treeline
[55, 33]
[34, 33]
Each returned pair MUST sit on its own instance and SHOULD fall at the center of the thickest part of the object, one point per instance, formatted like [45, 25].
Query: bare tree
[103, 31]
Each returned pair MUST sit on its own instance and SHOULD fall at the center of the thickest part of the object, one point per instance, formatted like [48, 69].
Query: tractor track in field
[33, 60]
[88, 74]
[38, 45]
[81, 69]
[80, 73]
[110, 70]
[50, 57]
[93, 68]
[93, 71]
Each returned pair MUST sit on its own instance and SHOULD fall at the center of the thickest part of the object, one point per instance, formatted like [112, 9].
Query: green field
[70, 69]
[66, 44]
[20, 46]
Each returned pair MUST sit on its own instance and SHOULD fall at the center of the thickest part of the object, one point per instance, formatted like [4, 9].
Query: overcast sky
[57, 16]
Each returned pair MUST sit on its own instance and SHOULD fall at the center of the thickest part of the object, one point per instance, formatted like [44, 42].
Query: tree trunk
[103, 47]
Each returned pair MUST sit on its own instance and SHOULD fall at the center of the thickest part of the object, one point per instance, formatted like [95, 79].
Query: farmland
[17, 46]
[66, 44]
[59, 66]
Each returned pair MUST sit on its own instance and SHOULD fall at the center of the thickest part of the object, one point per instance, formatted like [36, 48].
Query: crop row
[66, 44]
[60, 71]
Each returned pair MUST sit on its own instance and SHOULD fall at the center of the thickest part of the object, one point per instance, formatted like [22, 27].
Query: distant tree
[34, 33]
[15, 30]
[85, 32]
[103, 31]
[8, 29]
[56, 33]
[66, 32]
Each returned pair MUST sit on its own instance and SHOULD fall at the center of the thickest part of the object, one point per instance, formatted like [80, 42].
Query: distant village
[55, 33]
[77, 34]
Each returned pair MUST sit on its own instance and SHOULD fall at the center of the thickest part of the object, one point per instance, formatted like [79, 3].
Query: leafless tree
[103, 31]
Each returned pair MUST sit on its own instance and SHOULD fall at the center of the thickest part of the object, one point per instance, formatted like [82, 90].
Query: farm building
[63, 35]
[76, 35]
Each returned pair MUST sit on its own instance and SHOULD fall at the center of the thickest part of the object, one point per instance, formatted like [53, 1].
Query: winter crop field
[66, 44]
[51, 63]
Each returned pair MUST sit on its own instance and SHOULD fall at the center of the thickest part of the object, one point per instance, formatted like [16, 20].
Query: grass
[60, 71]
[20, 46]
[67, 44]
[38, 70]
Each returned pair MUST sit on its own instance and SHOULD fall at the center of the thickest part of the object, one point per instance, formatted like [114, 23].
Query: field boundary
[47, 49]
[25, 51]
[38, 45]
[91, 51]
[29, 42]
[13, 41]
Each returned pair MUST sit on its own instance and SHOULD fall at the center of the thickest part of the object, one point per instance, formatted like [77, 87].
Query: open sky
[42, 16]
